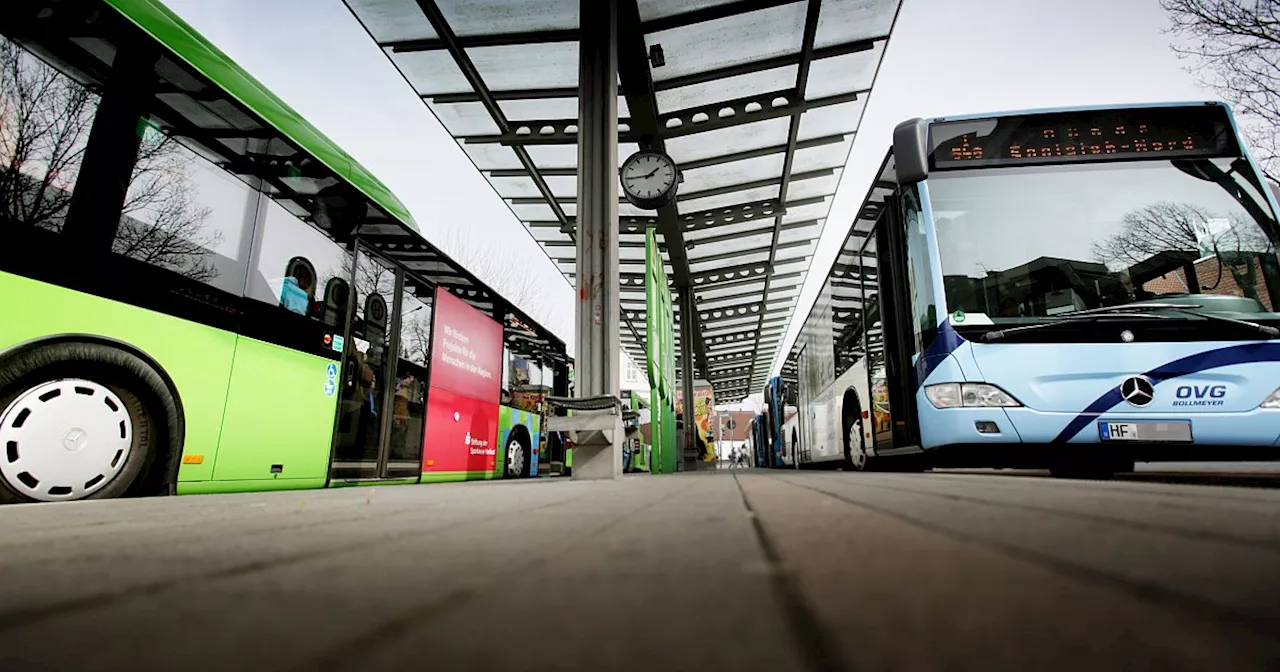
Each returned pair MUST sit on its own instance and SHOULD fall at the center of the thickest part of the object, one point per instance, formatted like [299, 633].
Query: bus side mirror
[910, 151]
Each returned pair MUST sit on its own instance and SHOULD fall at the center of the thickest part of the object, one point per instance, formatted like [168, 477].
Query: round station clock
[649, 179]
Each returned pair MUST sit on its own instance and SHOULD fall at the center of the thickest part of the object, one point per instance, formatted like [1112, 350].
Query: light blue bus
[1077, 289]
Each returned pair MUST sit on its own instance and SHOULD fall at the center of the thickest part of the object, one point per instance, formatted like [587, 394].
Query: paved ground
[715, 571]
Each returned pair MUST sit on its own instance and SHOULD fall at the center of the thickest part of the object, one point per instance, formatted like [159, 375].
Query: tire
[84, 421]
[518, 453]
[855, 447]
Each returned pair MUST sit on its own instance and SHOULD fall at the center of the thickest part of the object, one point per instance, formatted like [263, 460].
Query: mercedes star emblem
[1138, 391]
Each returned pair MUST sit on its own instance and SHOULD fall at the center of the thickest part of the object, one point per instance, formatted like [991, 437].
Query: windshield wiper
[1265, 330]
[1078, 316]
[1136, 310]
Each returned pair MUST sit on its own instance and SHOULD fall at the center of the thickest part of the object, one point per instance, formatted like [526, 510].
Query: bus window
[39, 172]
[877, 370]
[285, 243]
[924, 310]
[415, 326]
[178, 212]
[183, 214]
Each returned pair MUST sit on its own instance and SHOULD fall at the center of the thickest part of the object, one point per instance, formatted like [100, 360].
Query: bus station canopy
[757, 101]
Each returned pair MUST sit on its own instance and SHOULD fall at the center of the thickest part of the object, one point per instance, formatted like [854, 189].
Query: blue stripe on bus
[1191, 364]
[944, 343]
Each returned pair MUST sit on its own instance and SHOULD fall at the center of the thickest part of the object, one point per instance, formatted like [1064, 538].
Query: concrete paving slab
[741, 571]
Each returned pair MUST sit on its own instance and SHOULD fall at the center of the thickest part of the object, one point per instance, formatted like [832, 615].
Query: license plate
[1145, 431]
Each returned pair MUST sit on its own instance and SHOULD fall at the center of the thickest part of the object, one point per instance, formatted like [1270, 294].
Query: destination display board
[1082, 136]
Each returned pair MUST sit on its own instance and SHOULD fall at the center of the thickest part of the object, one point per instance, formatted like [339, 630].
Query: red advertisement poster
[464, 390]
[462, 433]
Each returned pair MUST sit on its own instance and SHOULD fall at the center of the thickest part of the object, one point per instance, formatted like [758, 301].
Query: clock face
[648, 175]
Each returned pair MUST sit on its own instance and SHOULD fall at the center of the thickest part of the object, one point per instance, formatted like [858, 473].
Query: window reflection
[45, 119]
[299, 268]
[1036, 242]
[409, 401]
[873, 345]
[185, 215]
[368, 363]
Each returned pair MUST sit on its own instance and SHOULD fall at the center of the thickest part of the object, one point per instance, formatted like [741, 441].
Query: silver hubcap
[63, 440]
[515, 458]
[857, 451]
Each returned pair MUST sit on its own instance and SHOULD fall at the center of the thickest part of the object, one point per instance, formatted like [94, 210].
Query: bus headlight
[1272, 401]
[980, 395]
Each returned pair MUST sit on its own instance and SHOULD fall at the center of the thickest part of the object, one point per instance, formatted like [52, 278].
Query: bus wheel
[855, 449]
[517, 453]
[74, 424]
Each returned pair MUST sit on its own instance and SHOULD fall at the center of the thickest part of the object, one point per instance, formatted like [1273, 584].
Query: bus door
[892, 380]
[368, 371]
[408, 405]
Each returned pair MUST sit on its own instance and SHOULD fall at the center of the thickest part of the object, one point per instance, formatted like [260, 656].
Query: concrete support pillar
[597, 231]
[687, 308]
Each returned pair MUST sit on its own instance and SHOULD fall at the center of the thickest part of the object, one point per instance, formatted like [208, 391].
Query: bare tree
[45, 121]
[502, 272]
[161, 222]
[1236, 48]
[415, 339]
[1184, 227]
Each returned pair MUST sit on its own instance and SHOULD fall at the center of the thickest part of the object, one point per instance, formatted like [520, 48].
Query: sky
[945, 57]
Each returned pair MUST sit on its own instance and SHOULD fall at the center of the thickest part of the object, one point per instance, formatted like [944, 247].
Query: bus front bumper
[1026, 432]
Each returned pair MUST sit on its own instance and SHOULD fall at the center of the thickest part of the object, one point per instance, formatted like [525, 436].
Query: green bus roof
[161, 23]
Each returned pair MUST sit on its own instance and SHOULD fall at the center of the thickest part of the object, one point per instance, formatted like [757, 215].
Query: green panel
[196, 358]
[277, 413]
[161, 23]
[660, 359]
[223, 487]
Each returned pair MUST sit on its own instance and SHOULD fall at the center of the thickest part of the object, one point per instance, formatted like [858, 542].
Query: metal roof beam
[755, 250]
[463, 61]
[510, 94]
[696, 16]
[802, 82]
[795, 106]
[758, 271]
[519, 140]
[757, 153]
[546, 172]
[528, 132]
[484, 40]
[765, 64]
[726, 237]
[637, 82]
[750, 281]
[756, 184]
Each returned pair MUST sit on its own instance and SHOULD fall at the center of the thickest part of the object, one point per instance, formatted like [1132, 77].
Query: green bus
[200, 292]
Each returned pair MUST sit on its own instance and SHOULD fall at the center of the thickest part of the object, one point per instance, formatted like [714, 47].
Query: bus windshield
[1027, 243]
